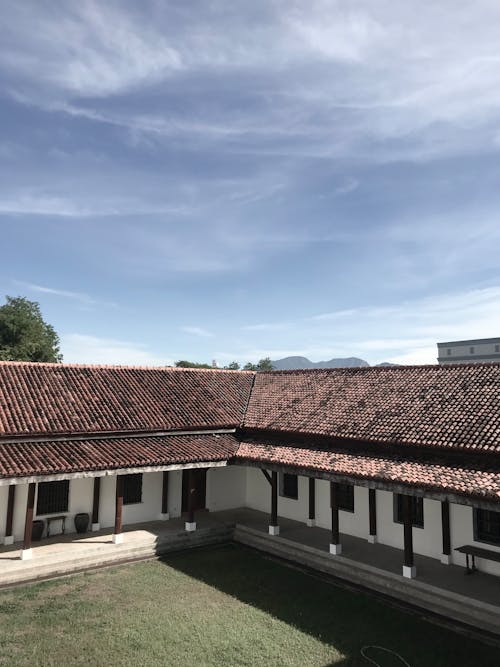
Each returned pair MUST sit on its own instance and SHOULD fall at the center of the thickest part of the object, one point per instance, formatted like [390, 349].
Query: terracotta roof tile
[483, 484]
[22, 459]
[61, 398]
[448, 406]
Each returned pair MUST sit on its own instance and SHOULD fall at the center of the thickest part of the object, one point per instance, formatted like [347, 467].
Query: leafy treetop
[262, 365]
[191, 364]
[24, 335]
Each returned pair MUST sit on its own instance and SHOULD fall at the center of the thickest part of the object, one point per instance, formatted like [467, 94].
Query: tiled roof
[443, 408]
[441, 477]
[454, 406]
[22, 459]
[58, 398]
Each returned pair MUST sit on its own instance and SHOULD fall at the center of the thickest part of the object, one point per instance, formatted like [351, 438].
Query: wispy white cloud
[22, 203]
[405, 332]
[197, 331]
[266, 326]
[85, 349]
[324, 81]
[80, 297]
[350, 35]
[89, 48]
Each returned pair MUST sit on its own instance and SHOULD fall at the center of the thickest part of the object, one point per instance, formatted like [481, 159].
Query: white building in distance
[469, 351]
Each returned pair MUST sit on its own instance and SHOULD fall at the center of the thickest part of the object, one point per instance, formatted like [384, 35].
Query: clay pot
[81, 522]
[37, 530]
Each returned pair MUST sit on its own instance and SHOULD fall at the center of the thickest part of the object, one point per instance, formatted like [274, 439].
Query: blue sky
[233, 180]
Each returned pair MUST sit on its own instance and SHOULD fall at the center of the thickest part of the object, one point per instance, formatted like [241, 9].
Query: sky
[235, 180]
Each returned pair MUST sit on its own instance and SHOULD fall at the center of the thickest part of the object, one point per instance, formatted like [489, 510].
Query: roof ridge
[381, 369]
[48, 364]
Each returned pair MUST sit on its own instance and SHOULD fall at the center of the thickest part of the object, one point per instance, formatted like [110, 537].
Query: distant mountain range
[298, 363]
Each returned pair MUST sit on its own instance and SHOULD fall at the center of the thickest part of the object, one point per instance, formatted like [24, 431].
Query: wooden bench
[471, 551]
[61, 517]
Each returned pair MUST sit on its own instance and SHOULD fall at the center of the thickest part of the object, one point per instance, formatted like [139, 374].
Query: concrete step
[56, 564]
[419, 594]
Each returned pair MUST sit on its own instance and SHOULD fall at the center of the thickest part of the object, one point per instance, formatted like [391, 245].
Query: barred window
[289, 486]
[132, 489]
[52, 497]
[416, 510]
[345, 495]
[487, 526]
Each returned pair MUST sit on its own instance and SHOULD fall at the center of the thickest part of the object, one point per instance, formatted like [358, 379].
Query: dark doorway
[199, 476]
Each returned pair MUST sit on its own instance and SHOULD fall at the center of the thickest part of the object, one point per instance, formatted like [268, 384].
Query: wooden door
[199, 476]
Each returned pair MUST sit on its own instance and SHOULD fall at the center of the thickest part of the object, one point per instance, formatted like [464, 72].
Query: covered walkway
[480, 586]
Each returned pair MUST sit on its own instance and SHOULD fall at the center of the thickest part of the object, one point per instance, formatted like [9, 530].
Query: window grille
[132, 489]
[345, 495]
[487, 526]
[52, 497]
[416, 509]
[289, 486]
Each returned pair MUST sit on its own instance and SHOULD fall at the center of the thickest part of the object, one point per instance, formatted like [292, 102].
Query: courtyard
[222, 605]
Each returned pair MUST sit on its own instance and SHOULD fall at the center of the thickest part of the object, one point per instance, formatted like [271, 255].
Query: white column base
[190, 526]
[335, 549]
[446, 559]
[117, 539]
[96, 527]
[409, 572]
[372, 539]
[311, 523]
[8, 540]
[163, 516]
[26, 554]
[274, 530]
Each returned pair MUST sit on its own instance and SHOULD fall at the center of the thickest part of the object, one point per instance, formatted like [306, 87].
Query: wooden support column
[409, 569]
[445, 524]
[190, 524]
[9, 533]
[274, 528]
[335, 545]
[164, 515]
[372, 515]
[26, 552]
[95, 504]
[311, 521]
[118, 534]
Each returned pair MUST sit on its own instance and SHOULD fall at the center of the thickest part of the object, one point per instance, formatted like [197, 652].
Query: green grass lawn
[216, 606]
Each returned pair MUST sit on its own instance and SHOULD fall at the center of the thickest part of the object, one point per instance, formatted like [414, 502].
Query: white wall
[258, 496]
[226, 488]
[462, 532]
[426, 541]
[150, 507]
[19, 511]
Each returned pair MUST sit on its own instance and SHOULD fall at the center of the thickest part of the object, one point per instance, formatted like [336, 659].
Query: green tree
[262, 365]
[24, 335]
[191, 364]
[265, 365]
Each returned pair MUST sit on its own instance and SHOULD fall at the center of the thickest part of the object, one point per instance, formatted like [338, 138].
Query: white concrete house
[404, 457]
